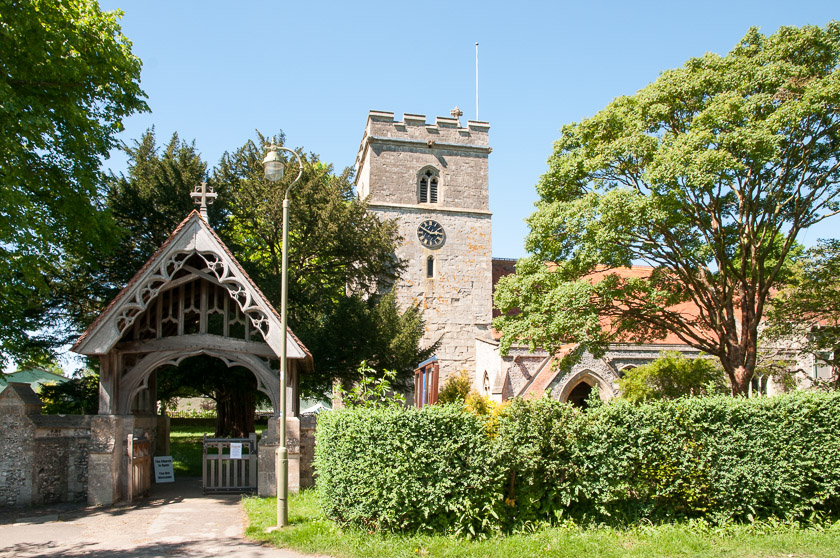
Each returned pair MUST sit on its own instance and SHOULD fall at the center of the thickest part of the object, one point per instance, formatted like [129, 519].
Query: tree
[670, 376]
[68, 80]
[340, 258]
[708, 175]
[79, 395]
[374, 330]
[146, 204]
[806, 315]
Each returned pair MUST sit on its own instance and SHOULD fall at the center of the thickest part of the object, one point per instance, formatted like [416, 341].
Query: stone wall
[43, 458]
[308, 422]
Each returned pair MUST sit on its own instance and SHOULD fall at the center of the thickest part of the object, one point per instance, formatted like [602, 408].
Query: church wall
[609, 368]
[486, 360]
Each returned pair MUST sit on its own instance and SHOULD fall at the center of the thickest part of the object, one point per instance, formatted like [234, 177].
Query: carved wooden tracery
[177, 271]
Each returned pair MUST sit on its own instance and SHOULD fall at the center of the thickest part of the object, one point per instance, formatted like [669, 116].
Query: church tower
[433, 180]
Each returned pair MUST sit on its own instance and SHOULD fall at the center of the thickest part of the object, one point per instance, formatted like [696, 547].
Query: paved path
[177, 520]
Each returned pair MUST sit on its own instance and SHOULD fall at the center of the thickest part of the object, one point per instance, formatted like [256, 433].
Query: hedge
[440, 468]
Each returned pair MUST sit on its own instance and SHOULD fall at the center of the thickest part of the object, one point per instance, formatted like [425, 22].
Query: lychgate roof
[190, 238]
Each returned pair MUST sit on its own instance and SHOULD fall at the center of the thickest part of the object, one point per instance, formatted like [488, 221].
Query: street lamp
[275, 167]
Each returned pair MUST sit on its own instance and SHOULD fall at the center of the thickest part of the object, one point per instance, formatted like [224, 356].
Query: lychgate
[191, 298]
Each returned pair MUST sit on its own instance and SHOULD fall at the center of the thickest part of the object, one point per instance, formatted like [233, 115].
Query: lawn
[185, 446]
[311, 532]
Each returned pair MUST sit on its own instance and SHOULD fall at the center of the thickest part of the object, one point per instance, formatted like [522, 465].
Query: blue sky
[216, 71]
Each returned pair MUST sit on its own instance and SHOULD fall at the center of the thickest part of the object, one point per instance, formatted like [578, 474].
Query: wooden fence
[222, 472]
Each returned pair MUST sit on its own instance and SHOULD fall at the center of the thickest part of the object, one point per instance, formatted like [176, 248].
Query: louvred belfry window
[426, 383]
[428, 186]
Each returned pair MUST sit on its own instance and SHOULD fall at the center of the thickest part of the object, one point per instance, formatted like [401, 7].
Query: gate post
[269, 443]
[107, 480]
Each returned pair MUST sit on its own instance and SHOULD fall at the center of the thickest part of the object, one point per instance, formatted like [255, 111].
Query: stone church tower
[433, 180]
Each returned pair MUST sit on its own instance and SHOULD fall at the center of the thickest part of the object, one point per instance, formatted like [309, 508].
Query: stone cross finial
[456, 113]
[203, 196]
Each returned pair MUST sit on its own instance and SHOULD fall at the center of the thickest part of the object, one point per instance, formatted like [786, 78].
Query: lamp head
[273, 165]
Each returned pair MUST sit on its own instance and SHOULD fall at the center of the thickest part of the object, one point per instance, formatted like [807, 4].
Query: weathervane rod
[476, 81]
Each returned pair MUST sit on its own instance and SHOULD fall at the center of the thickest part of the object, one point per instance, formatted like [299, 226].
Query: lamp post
[274, 168]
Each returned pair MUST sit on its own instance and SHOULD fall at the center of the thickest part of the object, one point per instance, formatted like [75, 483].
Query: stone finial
[203, 195]
[457, 113]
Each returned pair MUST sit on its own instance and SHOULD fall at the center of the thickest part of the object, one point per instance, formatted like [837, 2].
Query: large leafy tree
[340, 254]
[708, 175]
[373, 329]
[67, 81]
[146, 204]
[806, 315]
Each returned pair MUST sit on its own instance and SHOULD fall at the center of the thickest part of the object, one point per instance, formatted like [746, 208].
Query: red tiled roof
[546, 374]
[688, 309]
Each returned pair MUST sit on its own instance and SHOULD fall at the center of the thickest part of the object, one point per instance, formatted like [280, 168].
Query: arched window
[486, 383]
[430, 267]
[428, 186]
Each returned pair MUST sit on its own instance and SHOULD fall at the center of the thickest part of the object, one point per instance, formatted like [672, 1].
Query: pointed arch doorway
[191, 298]
[578, 388]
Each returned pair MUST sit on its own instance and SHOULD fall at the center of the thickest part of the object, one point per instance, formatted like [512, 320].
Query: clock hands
[431, 233]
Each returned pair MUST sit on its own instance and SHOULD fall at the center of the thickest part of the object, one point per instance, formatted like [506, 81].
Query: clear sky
[215, 71]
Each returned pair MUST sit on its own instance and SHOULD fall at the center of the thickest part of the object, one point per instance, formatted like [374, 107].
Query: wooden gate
[223, 473]
[139, 452]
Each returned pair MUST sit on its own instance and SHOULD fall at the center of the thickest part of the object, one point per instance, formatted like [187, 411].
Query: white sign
[235, 450]
[163, 469]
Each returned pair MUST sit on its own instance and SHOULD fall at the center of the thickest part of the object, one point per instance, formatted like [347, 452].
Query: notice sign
[236, 450]
[163, 469]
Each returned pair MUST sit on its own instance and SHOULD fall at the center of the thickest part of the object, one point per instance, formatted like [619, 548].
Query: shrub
[673, 375]
[455, 389]
[720, 458]
[79, 395]
[373, 389]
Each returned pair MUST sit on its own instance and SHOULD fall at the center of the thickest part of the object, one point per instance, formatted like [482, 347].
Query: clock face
[431, 234]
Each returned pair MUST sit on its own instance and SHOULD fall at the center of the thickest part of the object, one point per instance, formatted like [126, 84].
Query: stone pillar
[268, 446]
[107, 465]
[18, 404]
[308, 424]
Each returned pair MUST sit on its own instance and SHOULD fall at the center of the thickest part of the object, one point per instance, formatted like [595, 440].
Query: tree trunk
[235, 409]
[740, 379]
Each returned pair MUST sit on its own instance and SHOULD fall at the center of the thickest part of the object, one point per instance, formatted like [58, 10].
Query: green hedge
[440, 468]
[393, 468]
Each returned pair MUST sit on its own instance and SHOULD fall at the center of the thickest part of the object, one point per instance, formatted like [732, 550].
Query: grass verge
[312, 533]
